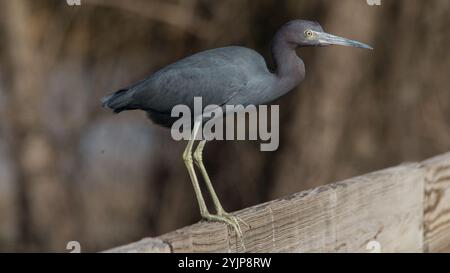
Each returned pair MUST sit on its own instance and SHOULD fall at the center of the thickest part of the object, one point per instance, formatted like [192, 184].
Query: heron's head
[307, 33]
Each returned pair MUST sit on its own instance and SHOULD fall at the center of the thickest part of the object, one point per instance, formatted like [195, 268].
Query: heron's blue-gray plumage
[228, 75]
[217, 76]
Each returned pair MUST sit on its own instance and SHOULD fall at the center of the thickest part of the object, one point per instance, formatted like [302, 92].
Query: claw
[240, 220]
[231, 221]
[236, 219]
[227, 219]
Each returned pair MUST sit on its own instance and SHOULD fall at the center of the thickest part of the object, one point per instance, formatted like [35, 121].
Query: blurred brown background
[69, 170]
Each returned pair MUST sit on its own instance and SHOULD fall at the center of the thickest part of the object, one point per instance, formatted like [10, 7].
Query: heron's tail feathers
[119, 101]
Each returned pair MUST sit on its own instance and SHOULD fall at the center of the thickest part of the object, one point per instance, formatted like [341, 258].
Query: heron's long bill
[328, 39]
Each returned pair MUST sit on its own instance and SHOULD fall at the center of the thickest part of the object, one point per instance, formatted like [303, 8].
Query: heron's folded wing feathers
[213, 78]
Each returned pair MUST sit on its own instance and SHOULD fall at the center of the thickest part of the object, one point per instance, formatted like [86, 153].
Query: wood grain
[401, 209]
[437, 204]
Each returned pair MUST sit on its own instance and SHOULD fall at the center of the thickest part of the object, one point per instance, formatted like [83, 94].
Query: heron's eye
[309, 33]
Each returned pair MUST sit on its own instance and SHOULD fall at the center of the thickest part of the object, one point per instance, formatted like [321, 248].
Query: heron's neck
[290, 69]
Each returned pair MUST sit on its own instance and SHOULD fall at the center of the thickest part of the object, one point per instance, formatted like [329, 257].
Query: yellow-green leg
[198, 157]
[187, 157]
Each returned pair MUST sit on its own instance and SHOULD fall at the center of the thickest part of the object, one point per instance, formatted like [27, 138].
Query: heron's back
[216, 75]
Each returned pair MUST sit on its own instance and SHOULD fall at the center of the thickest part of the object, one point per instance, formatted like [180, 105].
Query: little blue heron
[224, 76]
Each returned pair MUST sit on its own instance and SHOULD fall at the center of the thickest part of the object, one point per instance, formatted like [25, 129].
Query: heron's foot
[227, 219]
[236, 219]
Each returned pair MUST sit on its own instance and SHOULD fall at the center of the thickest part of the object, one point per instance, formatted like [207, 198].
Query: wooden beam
[437, 204]
[401, 209]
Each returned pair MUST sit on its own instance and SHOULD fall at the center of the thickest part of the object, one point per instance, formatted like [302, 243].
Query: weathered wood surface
[437, 204]
[401, 209]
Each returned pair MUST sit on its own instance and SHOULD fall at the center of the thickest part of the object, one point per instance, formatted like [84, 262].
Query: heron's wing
[215, 76]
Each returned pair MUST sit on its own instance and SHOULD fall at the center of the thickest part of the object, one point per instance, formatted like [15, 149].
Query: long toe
[233, 218]
[229, 220]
